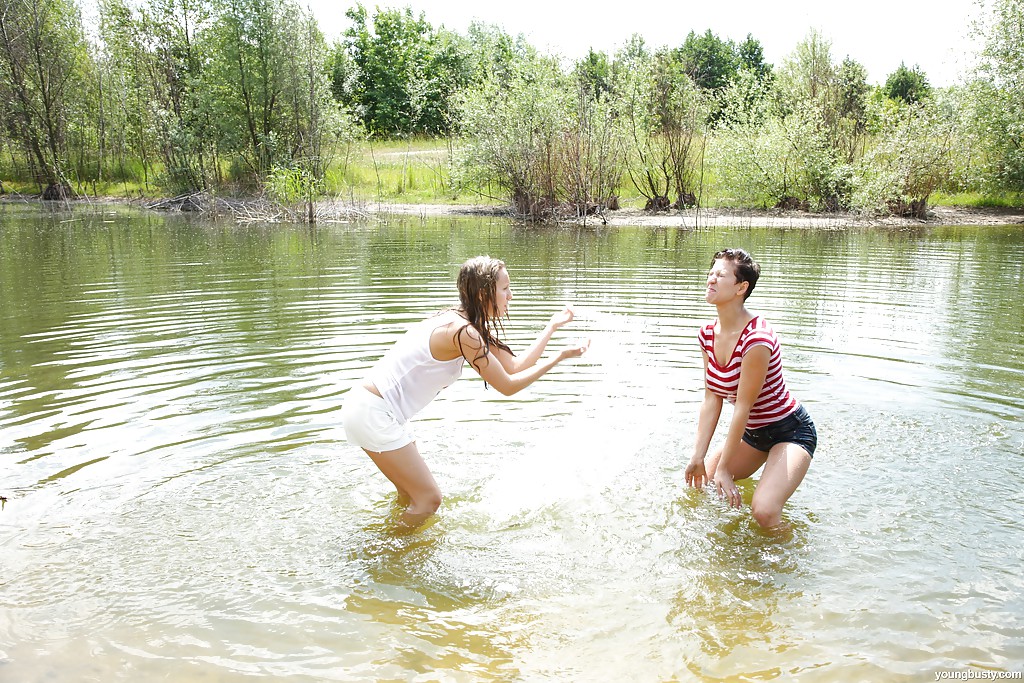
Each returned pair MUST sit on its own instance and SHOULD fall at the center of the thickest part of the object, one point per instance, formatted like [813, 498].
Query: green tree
[494, 54]
[512, 128]
[313, 124]
[714, 64]
[751, 58]
[407, 72]
[995, 96]
[593, 73]
[253, 42]
[161, 51]
[43, 56]
[711, 62]
[907, 85]
[552, 152]
[822, 106]
[808, 73]
[343, 73]
[666, 114]
[748, 99]
[852, 91]
[767, 160]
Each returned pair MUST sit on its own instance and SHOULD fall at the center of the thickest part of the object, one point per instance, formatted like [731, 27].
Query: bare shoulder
[450, 322]
[452, 335]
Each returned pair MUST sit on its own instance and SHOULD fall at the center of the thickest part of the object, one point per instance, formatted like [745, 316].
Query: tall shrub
[665, 114]
[910, 158]
[550, 151]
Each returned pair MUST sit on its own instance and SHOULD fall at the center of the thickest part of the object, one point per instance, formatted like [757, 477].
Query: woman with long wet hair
[429, 357]
[743, 365]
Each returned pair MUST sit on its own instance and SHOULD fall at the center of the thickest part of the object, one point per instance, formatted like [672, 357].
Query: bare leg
[787, 464]
[410, 475]
[743, 463]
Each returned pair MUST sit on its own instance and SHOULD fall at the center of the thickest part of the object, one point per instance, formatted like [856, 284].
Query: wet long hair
[746, 268]
[478, 286]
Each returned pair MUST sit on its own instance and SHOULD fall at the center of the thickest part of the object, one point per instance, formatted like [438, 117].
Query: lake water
[182, 504]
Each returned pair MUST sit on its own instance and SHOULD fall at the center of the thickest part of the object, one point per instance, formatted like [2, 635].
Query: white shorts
[369, 423]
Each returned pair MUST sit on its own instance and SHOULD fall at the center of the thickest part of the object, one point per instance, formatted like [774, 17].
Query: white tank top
[408, 377]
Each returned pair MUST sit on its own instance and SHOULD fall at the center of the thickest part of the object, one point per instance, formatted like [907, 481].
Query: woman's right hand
[696, 476]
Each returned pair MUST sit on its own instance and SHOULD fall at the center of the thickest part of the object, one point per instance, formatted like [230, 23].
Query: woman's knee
[766, 513]
[426, 502]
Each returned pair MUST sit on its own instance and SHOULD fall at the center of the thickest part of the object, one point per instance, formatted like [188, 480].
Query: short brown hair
[747, 269]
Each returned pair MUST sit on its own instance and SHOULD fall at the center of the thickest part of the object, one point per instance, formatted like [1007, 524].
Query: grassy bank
[417, 171]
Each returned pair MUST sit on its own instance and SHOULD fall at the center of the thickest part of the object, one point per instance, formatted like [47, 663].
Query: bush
[909, 160]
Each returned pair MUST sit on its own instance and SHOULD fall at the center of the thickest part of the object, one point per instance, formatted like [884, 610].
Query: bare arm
[753, 370]
[710, 411]
[495, 374]
[532, 354]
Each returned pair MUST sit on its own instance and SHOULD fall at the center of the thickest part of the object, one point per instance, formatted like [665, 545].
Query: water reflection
[733, 576]
[182, 503]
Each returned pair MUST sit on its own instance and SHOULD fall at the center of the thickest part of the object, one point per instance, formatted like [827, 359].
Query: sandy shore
[258, 210]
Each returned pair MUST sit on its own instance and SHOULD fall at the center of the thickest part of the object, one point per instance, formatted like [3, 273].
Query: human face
[502, 294]
[722, 286]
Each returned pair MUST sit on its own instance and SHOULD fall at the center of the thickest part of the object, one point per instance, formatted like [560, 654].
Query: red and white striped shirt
[774, 402]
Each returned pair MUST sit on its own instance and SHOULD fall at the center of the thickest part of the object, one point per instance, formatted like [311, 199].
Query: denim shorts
[797, 427]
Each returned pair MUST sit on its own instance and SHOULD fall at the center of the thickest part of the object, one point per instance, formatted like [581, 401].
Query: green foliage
[408, 72]
[593, 73]
[184, 95]
[495, 55]
[665, 113]
[995, 96]
[714, 65]
[748, 101]
[248, 75]
[848, 114]
[43, 63]
[157, 59]
[909, 160]
[807, 75]
[853, 91]
[343, 74]
[549, 153]
[751, 58]
[781, 162]
[292, 185]
[907, 85]
[710, 61]
[511, 131]
[594, 152]
[823, 116]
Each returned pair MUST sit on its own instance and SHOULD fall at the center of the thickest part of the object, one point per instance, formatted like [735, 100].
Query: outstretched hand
[562, 317]
[577, 349]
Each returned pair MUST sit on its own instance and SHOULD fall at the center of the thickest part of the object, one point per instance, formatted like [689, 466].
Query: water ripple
[182, 501]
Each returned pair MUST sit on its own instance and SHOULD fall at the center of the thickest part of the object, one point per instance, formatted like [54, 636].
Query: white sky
[877, 33]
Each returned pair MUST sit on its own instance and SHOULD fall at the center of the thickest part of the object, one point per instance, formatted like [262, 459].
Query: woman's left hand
[562, 317]
[576, 349]
[727, 488]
